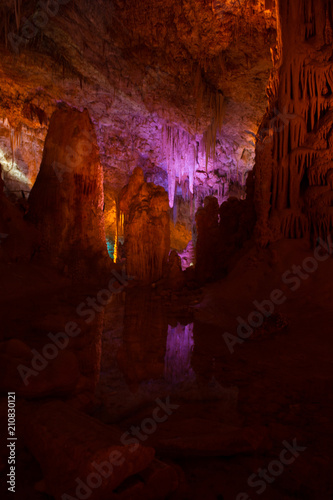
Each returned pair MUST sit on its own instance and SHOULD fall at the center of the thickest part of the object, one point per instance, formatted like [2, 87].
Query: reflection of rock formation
[141, 356]
[179, 349]
[66, 202]
[189, 372]
[147, 229]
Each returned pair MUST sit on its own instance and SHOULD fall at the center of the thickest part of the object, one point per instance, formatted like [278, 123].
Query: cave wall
[294, 149]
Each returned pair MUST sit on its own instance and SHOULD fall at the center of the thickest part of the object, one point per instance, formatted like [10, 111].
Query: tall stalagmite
[294, 150]
[208, 238]
[147, 227]
[66, 202]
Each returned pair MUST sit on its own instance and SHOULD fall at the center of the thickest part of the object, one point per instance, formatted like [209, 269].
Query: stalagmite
[146, 227]
[208, 239]
[66, 202]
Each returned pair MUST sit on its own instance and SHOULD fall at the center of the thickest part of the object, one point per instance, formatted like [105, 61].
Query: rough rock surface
[66, 202]
[294, 151]
[84, 442]
[176, 277]
[146, 227]
[200, 437]
[137, 68]
[142, 356]
[59, 377]
[223, 232]
[18, 239]
[207, 240]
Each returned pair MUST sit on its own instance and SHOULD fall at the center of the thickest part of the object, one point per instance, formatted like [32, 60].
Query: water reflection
[141, 355]
[179, 349]
[147, 354]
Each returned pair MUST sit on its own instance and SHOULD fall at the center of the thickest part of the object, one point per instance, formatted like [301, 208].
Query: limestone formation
[207, 239]
[142, 357]
[85, 445]
[18, 238]
[176, 277]
[146, 227]
[294, 150]
[66, 202]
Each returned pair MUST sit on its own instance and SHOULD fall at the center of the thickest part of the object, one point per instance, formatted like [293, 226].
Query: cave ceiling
[140, 68]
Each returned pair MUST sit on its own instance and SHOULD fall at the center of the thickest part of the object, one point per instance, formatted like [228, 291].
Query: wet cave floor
[228, 414]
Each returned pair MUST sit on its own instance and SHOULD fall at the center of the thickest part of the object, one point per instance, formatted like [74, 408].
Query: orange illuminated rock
[147, 227]
[66, 202]
[294, 152]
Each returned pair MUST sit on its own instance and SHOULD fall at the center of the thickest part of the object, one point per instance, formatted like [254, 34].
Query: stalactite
[199, 91]
[15, 141]
[217, 106]
[8, 11]
[300, 122]
[180, 150]
[328, 35]
[17, 7]
[293, 224]
[116, 237]
[216, 101]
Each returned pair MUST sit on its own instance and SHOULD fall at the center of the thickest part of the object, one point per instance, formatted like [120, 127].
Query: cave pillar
[146, 227]
[208, 235]
[66, 201]
[298, 126]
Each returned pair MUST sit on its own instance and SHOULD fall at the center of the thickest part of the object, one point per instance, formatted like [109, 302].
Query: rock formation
[18, 238]
[56, 426]
[223, 232]
[209, 357]
[176, 277]
[208, 237]
[66, 202]
[146, 227]
[143, 313]
[294, 150]
[155, 79]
